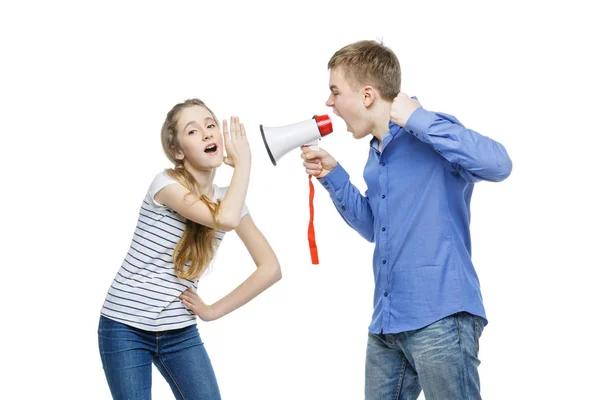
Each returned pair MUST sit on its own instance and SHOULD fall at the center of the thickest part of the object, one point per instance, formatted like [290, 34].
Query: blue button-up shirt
[417, 211]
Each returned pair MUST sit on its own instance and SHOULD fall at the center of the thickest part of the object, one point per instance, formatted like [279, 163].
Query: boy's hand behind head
[402, 108]
[317, 163]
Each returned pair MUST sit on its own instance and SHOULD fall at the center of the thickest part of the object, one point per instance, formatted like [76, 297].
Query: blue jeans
[128, 354]
[441, 359]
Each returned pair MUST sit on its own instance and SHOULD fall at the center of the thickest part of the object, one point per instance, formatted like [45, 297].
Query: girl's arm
[228, 217]
[176, 197]
[267, 273]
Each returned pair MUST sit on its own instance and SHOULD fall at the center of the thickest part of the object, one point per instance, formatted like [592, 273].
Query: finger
[238, 126]
[187, 303]
[226, 136]
[311, 165]
[306, 149]
[225, 130]
[242, 130]
[235, 127]
[313, 172]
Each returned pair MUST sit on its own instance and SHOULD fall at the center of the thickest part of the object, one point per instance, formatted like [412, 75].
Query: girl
[149, 314]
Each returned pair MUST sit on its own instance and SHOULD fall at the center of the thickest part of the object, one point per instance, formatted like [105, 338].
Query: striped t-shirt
[144, 293]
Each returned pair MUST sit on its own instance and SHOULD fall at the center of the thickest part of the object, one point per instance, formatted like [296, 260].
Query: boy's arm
[351, 205]
[474, 155]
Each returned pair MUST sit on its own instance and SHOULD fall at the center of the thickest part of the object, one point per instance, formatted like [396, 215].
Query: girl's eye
[192, 131]
[210, 126]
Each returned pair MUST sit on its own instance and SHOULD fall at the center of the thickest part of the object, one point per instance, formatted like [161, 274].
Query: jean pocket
[478, 325]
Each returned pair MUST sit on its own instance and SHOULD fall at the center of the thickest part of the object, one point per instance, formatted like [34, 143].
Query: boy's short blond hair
[368, 62]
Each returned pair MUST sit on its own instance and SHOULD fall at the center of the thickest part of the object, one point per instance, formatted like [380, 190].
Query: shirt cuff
[335, 180]
[419, 122]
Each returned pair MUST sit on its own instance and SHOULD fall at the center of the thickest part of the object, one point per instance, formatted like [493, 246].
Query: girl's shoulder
[160, 180]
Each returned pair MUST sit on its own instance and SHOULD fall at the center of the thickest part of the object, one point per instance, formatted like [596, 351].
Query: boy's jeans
[440, 358]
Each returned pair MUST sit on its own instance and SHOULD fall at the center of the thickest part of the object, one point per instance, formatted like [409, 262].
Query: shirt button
[383, 196]
[343, 208]
[384, 261]
[382, 164]
[385, 294]
[383, 229]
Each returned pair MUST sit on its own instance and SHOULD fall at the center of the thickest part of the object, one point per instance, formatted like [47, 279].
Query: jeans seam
[102, 356]
[400, 379]
[464, 374]
[159, 357]
[457, 323]
[477, 333]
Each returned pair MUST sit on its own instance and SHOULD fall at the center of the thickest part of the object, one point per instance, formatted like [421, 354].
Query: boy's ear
[368, 96]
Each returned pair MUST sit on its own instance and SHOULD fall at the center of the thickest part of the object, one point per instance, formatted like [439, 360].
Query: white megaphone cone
[281, 139]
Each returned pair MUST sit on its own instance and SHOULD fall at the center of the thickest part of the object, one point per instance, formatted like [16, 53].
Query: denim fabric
[128, 354]
[441, 359]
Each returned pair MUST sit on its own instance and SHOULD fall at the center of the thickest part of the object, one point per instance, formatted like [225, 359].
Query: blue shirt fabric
[417, 211]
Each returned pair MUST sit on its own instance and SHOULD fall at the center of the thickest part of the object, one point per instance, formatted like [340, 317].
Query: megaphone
[281, 139]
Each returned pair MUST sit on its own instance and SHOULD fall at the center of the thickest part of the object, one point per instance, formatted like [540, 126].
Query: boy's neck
[380, 119]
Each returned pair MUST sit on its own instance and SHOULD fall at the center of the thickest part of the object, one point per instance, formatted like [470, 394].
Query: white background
[84, 90]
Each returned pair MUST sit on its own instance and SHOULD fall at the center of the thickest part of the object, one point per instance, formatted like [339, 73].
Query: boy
[428, 311]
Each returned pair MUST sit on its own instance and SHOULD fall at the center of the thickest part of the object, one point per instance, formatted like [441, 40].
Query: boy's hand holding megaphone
[318, 163]
[306, 135]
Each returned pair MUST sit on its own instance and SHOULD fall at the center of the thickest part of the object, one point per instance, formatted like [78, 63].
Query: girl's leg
[126, 359]
[184, 362]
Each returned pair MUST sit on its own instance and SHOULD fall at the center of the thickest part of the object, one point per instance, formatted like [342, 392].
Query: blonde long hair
[196, 247]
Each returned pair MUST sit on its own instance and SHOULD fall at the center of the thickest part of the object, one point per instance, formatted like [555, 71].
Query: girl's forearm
[261, 279]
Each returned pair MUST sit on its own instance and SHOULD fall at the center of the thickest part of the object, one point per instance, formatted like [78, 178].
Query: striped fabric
[144, 292]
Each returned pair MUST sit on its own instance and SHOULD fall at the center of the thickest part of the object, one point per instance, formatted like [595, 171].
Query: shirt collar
[392, 132]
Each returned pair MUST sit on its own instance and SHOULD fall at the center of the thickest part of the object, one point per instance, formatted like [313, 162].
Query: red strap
[314, 255]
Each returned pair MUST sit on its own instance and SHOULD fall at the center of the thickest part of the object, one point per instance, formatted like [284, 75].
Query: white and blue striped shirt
[144, 293]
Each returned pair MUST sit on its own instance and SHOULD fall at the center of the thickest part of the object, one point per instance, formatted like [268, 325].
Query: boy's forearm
[351, 205]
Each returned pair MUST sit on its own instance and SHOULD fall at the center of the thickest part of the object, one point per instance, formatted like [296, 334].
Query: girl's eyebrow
[189, 123]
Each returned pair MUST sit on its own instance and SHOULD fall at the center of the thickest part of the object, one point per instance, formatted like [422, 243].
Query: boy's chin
[358, 135]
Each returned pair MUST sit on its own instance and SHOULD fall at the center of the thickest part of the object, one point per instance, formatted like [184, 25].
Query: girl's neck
[205, 178]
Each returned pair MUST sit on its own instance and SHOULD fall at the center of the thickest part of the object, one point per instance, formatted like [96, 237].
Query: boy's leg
[445, 356]
[388, 374]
